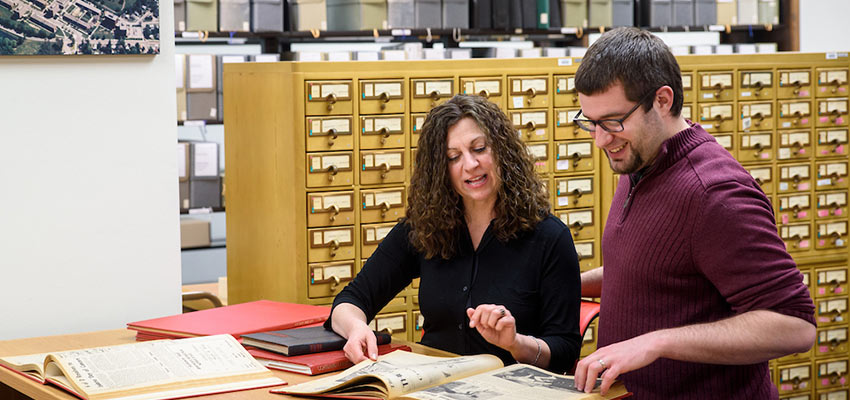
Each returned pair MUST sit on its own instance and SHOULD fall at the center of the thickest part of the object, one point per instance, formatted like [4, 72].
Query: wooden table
[14, 384]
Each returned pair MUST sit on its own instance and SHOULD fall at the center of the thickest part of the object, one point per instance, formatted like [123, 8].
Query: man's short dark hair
[637, 59]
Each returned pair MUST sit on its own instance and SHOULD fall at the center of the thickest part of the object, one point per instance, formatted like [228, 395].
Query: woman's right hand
[361, 344]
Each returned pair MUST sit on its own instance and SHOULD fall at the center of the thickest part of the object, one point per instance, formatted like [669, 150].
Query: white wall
[89, 221]
[824, 26]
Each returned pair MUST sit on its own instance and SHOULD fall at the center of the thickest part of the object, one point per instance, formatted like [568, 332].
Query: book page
[398, 373]
[31, 365]
[518, 381]
[155, 366]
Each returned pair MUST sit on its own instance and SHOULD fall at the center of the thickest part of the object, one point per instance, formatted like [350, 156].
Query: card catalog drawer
[532, 125]
[489, 87]
[328, 97]
[796, 396]
[727, 140]
[371, 236]
[756, 146]
[328, 279]
[763, 175]
[330, 208]
[382, 205]
[574, 156]
[382, 166]
[794, 83]
[831, 234]
[574, 192]
[416, 121]
[717, 117]
[833, 394]
[795, 178]
[809, 280]
[580, 222]
[540, 155]
[794, 145]
[795, 358]
[565, 91]
[382, 96]
[418, 325]
[794, 114]
[528, 92]
[716, 86]
[831, 281]
[797, 237]
[756, 116]
[831, 82]
[687, 87]
[831, 142]
[832, 112]
[831, 175]
[382, 131]
[430, 92]
[330, 133]
[831, 204]
[565, 128]
[831, 374]
[794, 378]
[831, 311]
[831, 342]
[329, 169]
[756, 85]
[393, 323]
[794, 208]
[330, 244]
[588, 342]
[586, 251]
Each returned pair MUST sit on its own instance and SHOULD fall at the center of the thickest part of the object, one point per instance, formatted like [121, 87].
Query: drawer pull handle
[484, 93]
[385, 207]
[333, 136]
[334, 209]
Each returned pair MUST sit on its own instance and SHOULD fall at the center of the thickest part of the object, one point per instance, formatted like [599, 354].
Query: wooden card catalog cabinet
[832, 374]
[330, 244]
[528, 92]
[794, 378]
[756, 116]
[540, 155]
[394, 323]
[384, 166]
[831, 281]
[328, 97]
[565, 128]
[580, 223]
[574, 192]
[588, 342]
[794, 83]
[488, 87]
[764, 177]
[329, 133]
[831, 311]
[371, 236]
[797, 237]
[832, 112]
[831, 235]
[795, 178]
[832, 342]
[330, 208]
[586, 255]
[794, 145]
[794, 114]
[382, 132]
[531, 125]
[687, 87]
[329, 169]
[833, 394]
[756, 85]
[756, 146]
[831, 204]
[831, 82]
[416, 122]
[565, 91]
[328, 279]
[382, 96]
[716, 86]
[831, 175]
[429, 93]
[382, 205]
[574, 156]
[717, 117]
[831, 142]
[795, 208]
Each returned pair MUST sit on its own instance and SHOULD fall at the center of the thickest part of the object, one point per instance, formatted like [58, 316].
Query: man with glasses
[699, 290]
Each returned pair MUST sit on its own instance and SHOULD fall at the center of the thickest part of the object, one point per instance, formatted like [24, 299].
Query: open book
[404, 375]
[162, 369]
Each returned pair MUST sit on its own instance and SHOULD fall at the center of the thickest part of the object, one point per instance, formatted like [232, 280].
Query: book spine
[330, 367]
[297, 350]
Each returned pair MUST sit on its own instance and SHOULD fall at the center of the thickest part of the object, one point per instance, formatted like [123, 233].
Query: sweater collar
[678, 146]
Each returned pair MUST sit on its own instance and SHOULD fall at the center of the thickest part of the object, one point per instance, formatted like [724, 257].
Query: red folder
[237, 319]
[314, 363]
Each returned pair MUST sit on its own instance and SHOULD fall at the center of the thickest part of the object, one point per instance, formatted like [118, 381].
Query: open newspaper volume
[161, 369]
[405, 375]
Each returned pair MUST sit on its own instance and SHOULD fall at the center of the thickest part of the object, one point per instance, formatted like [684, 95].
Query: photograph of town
[45, 27]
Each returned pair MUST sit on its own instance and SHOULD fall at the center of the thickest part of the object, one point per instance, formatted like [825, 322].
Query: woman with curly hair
[499, 274]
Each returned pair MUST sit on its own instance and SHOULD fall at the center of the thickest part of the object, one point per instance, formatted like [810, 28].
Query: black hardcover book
[293, 342]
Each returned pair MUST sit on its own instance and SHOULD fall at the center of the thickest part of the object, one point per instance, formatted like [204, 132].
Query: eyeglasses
[610, 125]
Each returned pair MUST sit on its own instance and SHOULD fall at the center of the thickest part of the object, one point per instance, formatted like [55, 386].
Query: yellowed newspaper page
[400, 372]
[30, 364]
[518, 381]
[160, 369]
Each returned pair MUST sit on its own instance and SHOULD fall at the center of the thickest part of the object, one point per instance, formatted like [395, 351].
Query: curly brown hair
[435, 209]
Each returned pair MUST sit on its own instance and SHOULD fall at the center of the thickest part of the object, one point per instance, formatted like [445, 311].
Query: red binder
[314, 363]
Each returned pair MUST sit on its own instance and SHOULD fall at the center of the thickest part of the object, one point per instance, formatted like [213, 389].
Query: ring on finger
[501, 312]
[602, 363]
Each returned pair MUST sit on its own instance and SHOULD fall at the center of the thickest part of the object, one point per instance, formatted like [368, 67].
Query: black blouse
[535, 276]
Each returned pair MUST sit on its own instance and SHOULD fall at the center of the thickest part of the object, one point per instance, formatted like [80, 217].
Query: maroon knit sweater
[694, 242]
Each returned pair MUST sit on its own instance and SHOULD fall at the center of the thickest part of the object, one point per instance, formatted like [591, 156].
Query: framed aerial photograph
[70, 27]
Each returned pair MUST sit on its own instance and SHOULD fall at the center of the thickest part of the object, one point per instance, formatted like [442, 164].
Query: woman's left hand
[495, 323]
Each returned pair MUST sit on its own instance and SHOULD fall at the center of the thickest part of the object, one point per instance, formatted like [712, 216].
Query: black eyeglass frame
[584, 123]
